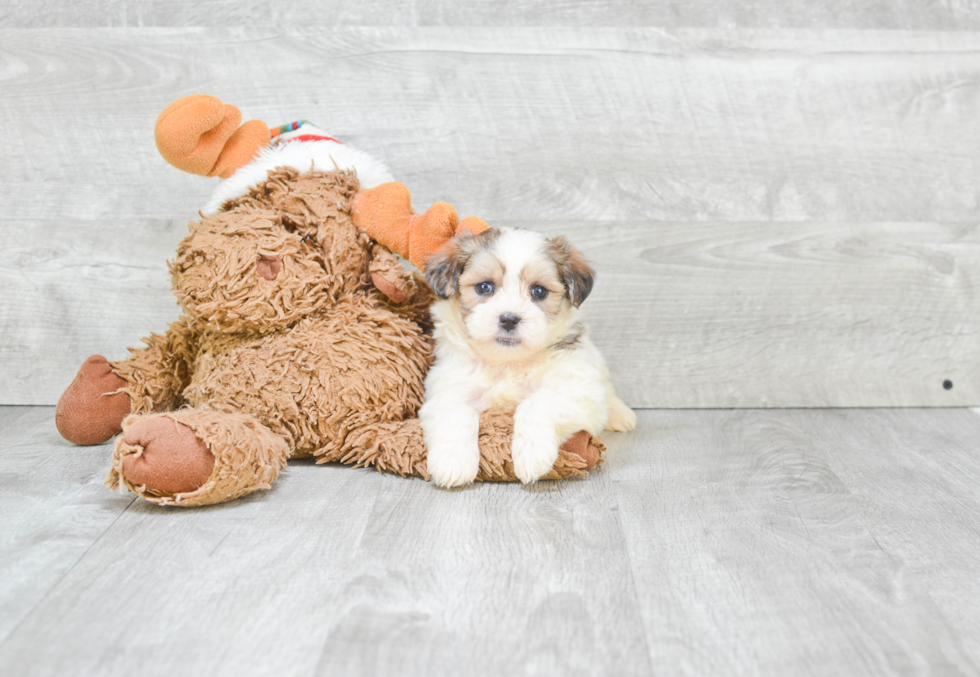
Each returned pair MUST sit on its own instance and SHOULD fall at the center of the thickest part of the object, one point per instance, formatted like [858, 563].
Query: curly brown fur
[398, 447]
[330, 374]
[247, 457]
[157, 374]
[287, 347]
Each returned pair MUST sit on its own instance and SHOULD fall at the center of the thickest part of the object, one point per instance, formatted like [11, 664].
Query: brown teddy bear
[301, 336]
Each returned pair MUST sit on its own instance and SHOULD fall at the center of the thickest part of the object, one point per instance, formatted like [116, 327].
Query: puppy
[508, 334]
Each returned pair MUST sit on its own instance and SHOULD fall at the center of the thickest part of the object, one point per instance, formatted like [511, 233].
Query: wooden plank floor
[713, 542]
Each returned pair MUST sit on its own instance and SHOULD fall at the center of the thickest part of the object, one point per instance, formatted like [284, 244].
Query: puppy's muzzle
[509, 321]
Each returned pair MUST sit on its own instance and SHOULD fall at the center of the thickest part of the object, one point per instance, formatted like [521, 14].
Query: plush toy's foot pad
[93, 407]
[581, 445]
[473, 225]
[173, 458]
[195, 457]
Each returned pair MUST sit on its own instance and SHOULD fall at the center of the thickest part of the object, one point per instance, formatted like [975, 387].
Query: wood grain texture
[896, 14]
[804, 542]
[53, 509]
[784, 314]
[510, 123]
[77, 289]
[681, 145]
[341, 572]
[687, 314]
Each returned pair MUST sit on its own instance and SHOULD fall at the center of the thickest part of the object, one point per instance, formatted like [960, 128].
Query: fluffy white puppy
[508, 334]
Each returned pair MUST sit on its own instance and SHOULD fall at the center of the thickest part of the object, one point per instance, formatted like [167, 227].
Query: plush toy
[301, 334]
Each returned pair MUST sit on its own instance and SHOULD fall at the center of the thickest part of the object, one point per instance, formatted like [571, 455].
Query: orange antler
[201, 135]
[385, 213]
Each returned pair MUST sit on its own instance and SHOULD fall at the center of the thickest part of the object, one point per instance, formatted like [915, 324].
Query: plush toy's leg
[398, 447]
[92, 408]
[195, 457]
[385, 213]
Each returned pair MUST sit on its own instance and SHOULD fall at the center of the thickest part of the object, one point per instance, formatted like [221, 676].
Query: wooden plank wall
[811, 14]
[781, 198]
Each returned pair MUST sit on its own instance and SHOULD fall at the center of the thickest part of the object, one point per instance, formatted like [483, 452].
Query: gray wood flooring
[771, 542]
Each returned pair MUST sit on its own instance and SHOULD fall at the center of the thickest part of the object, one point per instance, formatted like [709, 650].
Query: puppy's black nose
[509, 321]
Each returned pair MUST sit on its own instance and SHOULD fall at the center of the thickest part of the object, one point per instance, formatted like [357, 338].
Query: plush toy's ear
[200, 135]
[443, 267]
[576, 274]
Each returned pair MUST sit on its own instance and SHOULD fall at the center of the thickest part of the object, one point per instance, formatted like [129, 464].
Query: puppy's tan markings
[575, 272]
[571, 339]
[543, 272]
[444, 267]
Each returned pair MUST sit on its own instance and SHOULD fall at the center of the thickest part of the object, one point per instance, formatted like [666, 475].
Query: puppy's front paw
[534, 451]
[621, 417]
[453, 464]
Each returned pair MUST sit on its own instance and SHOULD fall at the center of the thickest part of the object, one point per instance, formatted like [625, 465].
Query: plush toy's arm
[157, 374]
[385, 213]
[407, 292]
[388, 274]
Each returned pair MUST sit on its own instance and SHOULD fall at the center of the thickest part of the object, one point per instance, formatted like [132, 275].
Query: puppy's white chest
[505, 389]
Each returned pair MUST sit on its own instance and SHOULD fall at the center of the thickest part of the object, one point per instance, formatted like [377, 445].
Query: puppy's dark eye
[484, 288]
[538, 292]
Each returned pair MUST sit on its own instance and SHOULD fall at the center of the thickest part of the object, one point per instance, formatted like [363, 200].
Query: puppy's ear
[443, 267]
[576, 274]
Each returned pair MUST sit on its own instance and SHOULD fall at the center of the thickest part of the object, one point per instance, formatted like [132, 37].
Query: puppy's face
[511, 291]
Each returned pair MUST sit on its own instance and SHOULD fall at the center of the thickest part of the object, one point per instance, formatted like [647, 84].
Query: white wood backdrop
[779, 216]
[907, 14]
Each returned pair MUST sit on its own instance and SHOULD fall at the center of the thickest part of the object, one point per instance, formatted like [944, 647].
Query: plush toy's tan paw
[395, 289]
[193, 457]
[580, 445]
[173, 459]
[388, 275]
[92, 408]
